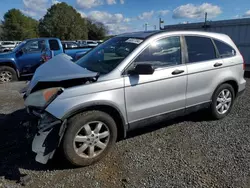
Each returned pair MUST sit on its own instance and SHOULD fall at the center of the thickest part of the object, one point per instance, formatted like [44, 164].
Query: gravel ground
[186, 152]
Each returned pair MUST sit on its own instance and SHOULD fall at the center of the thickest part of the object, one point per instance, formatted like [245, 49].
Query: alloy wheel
[224, 101]
[5, 76]
[92, 139]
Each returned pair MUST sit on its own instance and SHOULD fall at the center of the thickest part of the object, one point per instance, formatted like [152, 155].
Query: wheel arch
[231, 82]
[10, 64]
[113, 111]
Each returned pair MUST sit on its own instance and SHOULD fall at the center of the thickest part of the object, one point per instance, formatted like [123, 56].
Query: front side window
[34, 46]
[224, 49]
[107, 56]
[200, 49]
[162, 53]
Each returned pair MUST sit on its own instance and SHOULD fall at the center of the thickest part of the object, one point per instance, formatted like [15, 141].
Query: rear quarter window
[224, 49]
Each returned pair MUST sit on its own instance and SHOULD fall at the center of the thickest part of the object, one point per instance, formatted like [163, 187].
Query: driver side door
[153, 97]
[31, 56]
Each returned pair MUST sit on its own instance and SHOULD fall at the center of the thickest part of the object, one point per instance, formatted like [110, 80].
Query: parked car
[69, 44]
[27, 56]
[85, 107]
[88, 43]
[7, 46]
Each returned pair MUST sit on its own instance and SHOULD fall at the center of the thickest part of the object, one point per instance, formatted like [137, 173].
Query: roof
[45, 38]
[140, 34]
[147, 34]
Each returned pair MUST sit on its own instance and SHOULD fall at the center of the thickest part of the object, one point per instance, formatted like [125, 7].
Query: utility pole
[146, 26]
[205, 26]
[160, 22]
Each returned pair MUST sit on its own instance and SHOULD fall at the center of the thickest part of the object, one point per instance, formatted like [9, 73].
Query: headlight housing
[43, 98]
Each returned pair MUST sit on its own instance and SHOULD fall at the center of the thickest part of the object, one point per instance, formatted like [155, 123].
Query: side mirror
[19, 52]
[142, 69]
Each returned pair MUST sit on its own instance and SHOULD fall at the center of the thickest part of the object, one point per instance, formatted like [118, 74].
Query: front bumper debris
[48, 137]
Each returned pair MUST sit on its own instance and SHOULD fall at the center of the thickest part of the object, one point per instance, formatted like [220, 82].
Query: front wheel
[7, 74]
[222, 101]
[89, 137]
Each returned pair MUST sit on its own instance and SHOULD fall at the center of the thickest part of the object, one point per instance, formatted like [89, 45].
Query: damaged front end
[50, 131]
[49, 81]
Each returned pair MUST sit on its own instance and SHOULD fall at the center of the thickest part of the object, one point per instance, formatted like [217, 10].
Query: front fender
[10, 61]
[62, 108]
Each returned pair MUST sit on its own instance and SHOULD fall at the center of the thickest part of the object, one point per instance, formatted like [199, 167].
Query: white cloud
[35, 5]
[163, 12]
[122, 1]
[237, 16]
[115, 29]
[106, 17]
[146, 15]
[29, 13]
[116, 23]
[54, 2]
[247, 14]
[111, 2]
[83, 15]
[35, 8]
[196, 11]
[127, 20]
[88, 3]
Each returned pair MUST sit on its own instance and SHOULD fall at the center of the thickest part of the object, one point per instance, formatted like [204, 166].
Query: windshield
[19, 46]
[107, 56]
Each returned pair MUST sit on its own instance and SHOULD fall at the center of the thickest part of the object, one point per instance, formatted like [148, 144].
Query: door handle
[177, 72]
[218, 64]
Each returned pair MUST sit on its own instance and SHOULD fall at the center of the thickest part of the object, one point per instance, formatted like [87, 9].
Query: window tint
[164, 52]
[54, 45]
[200, 49]
[224, 49]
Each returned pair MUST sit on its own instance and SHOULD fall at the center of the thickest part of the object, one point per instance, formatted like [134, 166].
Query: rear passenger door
[203, 65]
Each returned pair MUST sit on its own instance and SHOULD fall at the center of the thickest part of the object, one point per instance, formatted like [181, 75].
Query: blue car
[30, 54]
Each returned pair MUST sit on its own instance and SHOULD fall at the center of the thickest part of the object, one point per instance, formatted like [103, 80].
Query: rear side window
[200, 49]
[224, 49]
[54, 45]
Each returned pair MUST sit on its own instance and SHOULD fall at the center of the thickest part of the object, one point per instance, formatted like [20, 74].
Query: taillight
[244, 63]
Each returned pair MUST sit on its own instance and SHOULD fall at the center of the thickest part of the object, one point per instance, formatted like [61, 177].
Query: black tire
[75, 124]
[213, 110]
[9, 70]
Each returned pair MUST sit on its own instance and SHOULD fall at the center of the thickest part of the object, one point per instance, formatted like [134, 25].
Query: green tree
[64, 22]
[17, 26]
[96, 30]
[1, 31]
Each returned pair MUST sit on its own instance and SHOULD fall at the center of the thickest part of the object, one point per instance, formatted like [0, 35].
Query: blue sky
[130, 15]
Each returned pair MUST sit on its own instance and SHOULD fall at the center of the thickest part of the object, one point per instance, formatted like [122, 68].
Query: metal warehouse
[237, 29]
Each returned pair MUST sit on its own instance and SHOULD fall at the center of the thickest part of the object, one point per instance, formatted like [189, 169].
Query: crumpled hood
[59, 68]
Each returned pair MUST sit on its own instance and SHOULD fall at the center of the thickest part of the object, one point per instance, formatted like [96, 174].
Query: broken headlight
[43, 98]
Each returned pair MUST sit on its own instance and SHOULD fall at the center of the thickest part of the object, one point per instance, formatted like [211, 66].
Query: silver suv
[130, 81]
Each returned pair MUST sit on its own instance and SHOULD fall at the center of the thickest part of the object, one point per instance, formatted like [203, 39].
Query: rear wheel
[222, 101]
[89, 137]
[7, 74]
